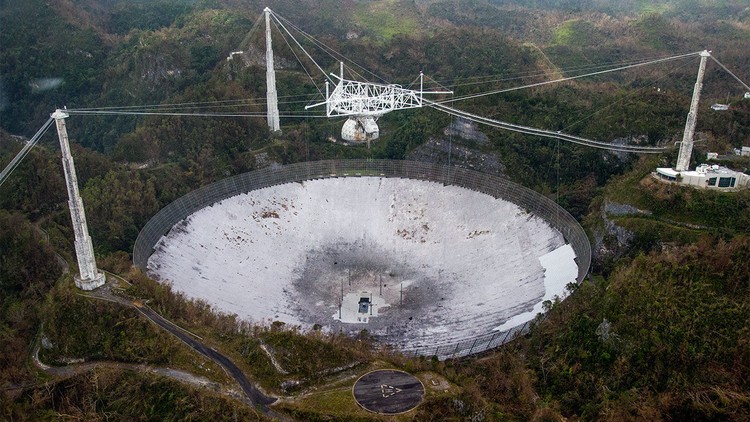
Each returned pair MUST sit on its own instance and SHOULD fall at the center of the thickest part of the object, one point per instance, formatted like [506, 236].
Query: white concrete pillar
[271, 96]
[686, 147]
[90, 277]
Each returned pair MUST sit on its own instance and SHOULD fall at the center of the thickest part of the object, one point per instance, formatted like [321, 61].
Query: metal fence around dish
[534, 203]
[469, 346]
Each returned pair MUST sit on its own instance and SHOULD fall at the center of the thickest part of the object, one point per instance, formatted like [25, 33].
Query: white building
[706, 176]
[234, 53]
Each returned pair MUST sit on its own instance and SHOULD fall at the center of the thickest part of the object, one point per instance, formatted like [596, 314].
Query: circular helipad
[388, 391]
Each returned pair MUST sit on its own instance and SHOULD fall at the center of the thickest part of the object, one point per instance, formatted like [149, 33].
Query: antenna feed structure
[364, 102]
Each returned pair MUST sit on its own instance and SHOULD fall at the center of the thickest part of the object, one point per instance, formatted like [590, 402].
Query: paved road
[257, 397]
[253, 394]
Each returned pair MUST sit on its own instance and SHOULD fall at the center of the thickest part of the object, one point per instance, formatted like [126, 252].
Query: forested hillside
[659, 332]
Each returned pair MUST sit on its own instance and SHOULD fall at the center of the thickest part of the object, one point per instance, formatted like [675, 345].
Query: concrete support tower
[271, 98]
[686, 147]
[90, 277]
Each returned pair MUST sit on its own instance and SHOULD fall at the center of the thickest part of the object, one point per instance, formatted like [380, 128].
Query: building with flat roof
[706, 176]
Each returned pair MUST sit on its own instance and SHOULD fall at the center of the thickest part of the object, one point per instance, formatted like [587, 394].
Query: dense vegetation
[659, 333]
[110, 393]
[27, 270]
[666, 337]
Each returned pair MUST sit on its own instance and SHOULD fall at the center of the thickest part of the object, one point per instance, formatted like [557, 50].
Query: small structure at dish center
[419, 258]
[372, 294]
[358, 308]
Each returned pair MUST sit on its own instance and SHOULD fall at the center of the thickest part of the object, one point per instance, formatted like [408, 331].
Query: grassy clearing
[306, 359]
[336, 403]
[110, 393]
[623, 189]
[574, 33]
[388, 19]
[649, 8]
[85, 329]
[719, 212]
[646, 227]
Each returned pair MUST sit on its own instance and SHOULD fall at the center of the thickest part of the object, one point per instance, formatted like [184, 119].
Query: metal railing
[469, 346]
[497, 187]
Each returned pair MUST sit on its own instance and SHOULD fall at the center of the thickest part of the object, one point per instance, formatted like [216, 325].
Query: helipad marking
[388, 390]
[375, 391]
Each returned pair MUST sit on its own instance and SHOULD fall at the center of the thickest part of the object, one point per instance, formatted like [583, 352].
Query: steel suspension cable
[522, 75]
[179, 114]
[199, 104]
[301, 48]
[256, 24]
[500, 91]
[338, 56]
[24, 151]
[730, 72]
[544, 133]
[298, 59]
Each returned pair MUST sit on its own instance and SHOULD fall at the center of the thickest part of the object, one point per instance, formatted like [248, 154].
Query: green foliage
[679, 345]
[411, 133]
[725, 213]
[45, 46]
[576, 32]
[388, 18]
[145, 15]
[657, 32]
[90, 329]
[307, 358]
[203, 57]
[651, 232]
[466, 406]
[126, 395]
[118, 205]
[480, 13]
[27, 258]
[715, 9]
[504, 379]
[728, 128]
[674, 345]
[37, 185]
[28, 269]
